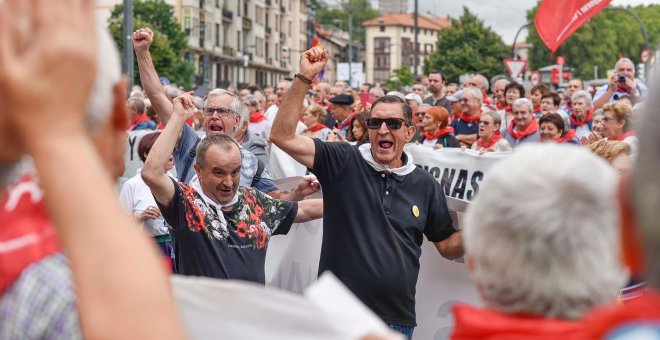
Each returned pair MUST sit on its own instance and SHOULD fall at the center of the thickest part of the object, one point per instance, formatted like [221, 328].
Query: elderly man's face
[335, 91]
[498, 89]
[522, 116]
[469, 103]
[281, 90]
[387, 142]
[220, 117]
[221, 173]
[626, 69]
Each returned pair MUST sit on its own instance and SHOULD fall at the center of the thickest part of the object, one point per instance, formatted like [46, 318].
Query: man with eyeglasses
[378, 205]
[222, 110]
[524, 128]
[437, 89]
[466, 127]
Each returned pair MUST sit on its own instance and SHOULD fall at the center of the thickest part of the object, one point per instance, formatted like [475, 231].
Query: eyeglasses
[222, 112]
[607, 119]
[484, 122]
[420, 113]
[464, 100]
[391, 123]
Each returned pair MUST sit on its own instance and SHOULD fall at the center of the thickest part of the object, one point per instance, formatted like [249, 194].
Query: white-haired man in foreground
[547, 253]
[48, 68]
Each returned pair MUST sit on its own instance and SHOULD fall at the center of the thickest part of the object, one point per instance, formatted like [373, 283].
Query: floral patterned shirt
[235, 249]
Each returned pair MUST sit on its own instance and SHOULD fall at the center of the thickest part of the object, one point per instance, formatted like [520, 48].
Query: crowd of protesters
[559, 228]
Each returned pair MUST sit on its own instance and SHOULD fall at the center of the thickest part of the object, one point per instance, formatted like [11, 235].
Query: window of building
[382, 28]
[217, 34]
[259, 15]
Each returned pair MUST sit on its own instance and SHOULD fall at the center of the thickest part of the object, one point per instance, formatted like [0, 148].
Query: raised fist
[142, 39]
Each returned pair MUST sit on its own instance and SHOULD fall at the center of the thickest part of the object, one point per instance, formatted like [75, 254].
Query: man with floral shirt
[219, 229]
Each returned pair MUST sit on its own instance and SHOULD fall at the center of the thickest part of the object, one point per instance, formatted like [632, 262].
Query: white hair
[476, 93]
[484, 81]
[236, 104]
[524, 101]
[108, 74]
[543, 234]
[582, 94]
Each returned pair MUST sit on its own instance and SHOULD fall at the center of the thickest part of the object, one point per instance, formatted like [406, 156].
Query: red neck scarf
[587, 119]
[491, 141]
[532, 127]
[508, 109]
[625, 135]
[26, 225]
[476, 323]
[257, 117]
[537, 108]
[499, 105]
[485, 100]
[606, 319]
[470, 119]
[139, 119]
[440, 133]
[317, 127]
[345, 122]
[567, 137]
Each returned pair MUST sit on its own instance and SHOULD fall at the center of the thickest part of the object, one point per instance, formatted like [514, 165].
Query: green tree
[468, 47]
[338, 17]
[170, 41]
[600, 41]
[400, 77]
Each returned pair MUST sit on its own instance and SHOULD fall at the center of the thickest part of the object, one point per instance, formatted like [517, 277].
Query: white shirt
[136, 197]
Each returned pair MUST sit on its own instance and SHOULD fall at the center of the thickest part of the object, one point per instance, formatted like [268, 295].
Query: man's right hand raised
[142, 39]
[313, 61]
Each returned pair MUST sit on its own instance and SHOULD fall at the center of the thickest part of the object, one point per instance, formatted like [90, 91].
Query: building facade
[390, 43]
[239, 42]
[393, 6]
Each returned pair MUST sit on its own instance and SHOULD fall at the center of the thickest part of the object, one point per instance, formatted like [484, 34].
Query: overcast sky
[503, 16]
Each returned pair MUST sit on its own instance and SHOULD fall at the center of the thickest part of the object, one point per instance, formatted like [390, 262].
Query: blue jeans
[405, 330]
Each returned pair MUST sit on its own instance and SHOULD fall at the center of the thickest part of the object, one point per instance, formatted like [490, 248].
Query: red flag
[556, 20]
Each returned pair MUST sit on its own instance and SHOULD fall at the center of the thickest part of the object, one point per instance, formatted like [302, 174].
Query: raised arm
[154, 172]
[106, 248]
[142, 40]
[283, 133]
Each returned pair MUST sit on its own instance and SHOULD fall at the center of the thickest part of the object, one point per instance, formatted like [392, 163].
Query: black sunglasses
[391, 123]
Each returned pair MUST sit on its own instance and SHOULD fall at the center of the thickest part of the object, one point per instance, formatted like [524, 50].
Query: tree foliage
[170, 41]
[600, 41]
[338, 17]
[400, 77]
[468, 47]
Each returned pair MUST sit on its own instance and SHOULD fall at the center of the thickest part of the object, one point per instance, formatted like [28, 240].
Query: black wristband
[303, 78]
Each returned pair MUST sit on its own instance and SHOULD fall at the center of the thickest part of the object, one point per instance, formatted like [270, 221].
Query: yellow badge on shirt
[415, 211]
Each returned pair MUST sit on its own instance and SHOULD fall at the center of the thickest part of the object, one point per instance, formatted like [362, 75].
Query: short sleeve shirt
[462, 127]
[203, 246]
[373, 227]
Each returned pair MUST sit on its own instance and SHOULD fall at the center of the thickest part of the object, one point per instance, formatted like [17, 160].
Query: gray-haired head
[582, 94]
[524, 101]
[551, 247]
[236, 104]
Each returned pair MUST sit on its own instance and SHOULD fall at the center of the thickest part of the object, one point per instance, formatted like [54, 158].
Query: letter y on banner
[556, 20]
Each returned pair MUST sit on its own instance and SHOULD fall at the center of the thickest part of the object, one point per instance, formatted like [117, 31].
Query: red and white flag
[556, 20]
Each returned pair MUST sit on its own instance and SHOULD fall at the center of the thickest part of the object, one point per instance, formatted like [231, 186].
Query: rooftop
[406, 19]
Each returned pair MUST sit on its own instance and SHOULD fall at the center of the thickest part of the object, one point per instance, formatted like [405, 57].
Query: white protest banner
[460, 172]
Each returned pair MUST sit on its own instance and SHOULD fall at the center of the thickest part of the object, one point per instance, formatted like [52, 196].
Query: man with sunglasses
[222, 111]
[378, 205]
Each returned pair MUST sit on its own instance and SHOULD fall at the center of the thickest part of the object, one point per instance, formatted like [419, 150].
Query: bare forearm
[156, 162]
[604, 99]
[452, 247]
[309, 210]
[284, 126]
[467, 139]
[90, 231]
[152, 86]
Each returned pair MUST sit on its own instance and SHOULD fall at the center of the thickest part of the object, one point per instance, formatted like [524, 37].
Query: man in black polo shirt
[378, 204]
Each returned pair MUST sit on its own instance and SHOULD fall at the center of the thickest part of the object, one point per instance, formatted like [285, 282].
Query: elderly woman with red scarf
[437, 133]
[512, 91]
[312, 118]
[490, 138]
[582, 114]
[618, 126]
[538, 274]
